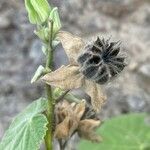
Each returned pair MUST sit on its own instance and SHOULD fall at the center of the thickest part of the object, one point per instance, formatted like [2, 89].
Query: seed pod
[101, 61]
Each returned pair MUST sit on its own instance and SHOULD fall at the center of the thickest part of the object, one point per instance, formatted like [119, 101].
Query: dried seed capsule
[101, 61]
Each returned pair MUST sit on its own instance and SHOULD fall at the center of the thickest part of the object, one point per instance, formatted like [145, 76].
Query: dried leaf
[73, 124]
[71, 44]
[66, 77]
[86, 130]
[69, 120]
[62, 129]
[66, 128]
[63, 109]
[91, 136]
[79, 109]
[95, 92]
[89, 124]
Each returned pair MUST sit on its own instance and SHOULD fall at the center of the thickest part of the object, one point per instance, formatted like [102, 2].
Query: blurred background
[20, 52]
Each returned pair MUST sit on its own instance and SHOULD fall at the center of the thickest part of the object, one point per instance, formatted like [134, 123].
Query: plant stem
[51, 101]
[62, 96]
[48, 137]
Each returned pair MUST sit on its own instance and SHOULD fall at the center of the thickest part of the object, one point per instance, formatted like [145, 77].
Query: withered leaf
[66, 128]
[66, 77]
[62, 130]
[96, 94]
[79, 109]
[89, 124]
[91, 136]
[86, 130]
[71, 44]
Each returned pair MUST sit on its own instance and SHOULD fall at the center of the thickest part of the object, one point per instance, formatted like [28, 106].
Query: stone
[4, 21]
[136, 102]
[35, 52]
[145, 70]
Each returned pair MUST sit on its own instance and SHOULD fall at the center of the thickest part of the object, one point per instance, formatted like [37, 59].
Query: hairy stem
[51, 101]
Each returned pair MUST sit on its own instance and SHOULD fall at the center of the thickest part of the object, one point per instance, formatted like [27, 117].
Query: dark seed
[101, 72]
[103, 79]
[101, 62]
[118, 59]
[113, 72]
[95, 59]
[96, 49]
[90, 71]
[109, 49]
[119, 66]
[83, 57]
[114, 52]
[98, 42]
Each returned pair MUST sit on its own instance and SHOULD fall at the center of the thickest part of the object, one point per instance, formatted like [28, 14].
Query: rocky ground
[20, 54]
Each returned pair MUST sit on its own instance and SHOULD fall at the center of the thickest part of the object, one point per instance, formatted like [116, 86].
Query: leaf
[86, 129]
[28, 129]
[66, 77]
[38, 10]
[39, 72]
[95, 92]
[42, 33]
[72, 45]
[42, 8]
[127, 132]
[32, 14]
[56, 20]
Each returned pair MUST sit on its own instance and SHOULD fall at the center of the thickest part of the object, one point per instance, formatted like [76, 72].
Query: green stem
[49, 59]
[51, 101]
[49, 114]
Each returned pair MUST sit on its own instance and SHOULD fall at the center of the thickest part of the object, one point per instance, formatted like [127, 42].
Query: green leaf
[28, 129]
[42, 8]
[32, 14]
[39, 72]
[56, 20]
[38, 10]
[41, 34]
[128, 132]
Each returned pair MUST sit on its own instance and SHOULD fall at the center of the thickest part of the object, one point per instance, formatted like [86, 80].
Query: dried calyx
[101, 61]
[71, 118]
[89, 67]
